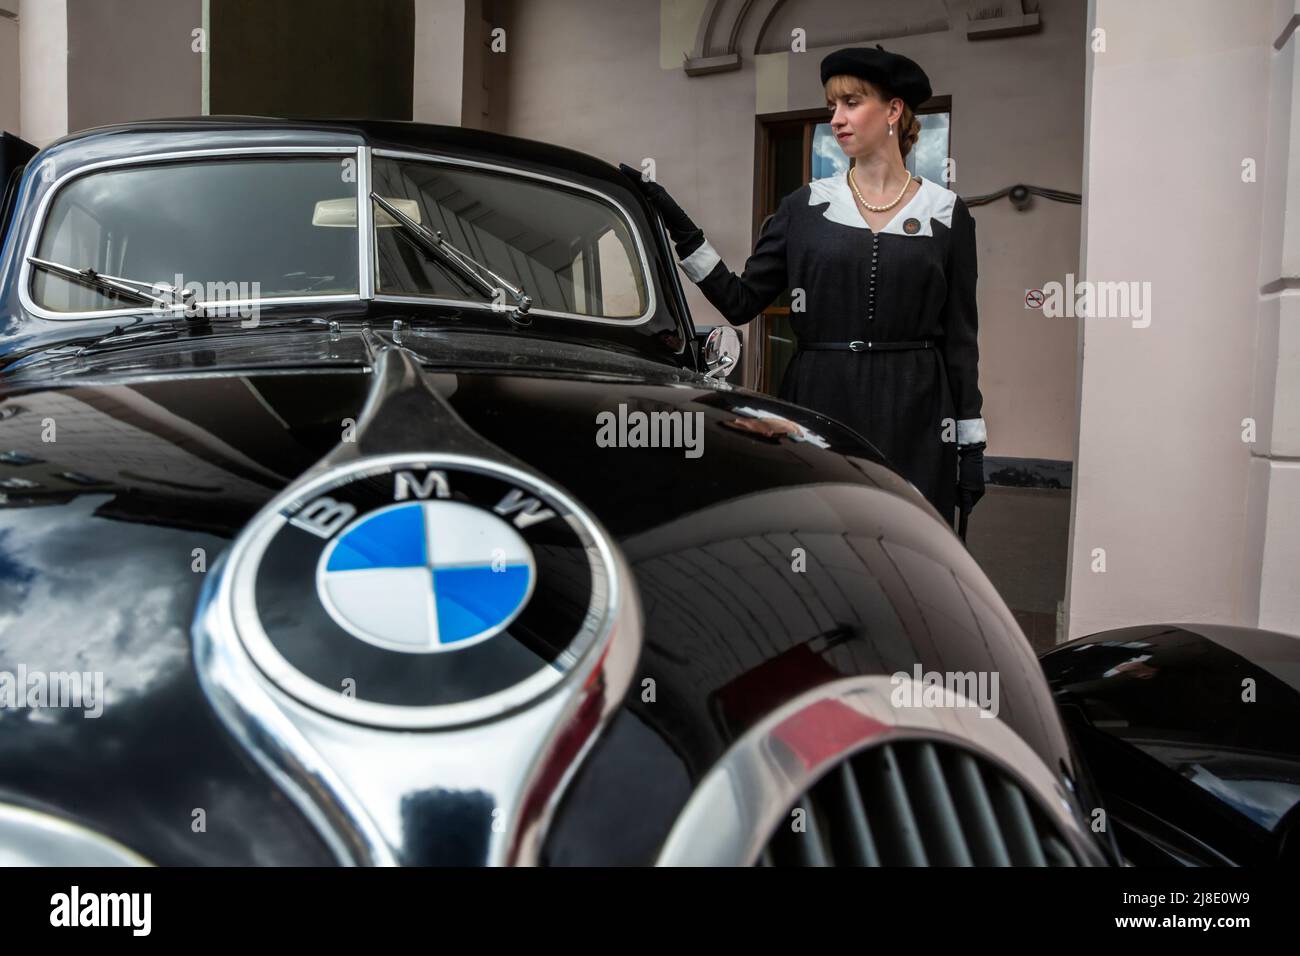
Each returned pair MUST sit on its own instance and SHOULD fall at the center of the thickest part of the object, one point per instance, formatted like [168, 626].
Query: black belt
[857, 345]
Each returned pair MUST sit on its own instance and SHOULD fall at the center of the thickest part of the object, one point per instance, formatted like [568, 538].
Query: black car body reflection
[1189, 731]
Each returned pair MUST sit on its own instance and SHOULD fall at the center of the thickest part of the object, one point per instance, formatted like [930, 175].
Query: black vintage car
[368, 496]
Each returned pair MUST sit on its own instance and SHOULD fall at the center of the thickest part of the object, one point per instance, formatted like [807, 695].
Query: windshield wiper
[131, 289]
[464, 265]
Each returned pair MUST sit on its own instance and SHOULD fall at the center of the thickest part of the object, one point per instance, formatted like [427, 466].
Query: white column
[439, 75]
[43, 68]
[1159, 525]
[1271, 565]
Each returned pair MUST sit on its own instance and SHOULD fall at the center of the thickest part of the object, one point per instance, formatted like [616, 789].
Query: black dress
[911, 282]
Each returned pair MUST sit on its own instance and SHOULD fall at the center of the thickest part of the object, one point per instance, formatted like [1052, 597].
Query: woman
[886, 262]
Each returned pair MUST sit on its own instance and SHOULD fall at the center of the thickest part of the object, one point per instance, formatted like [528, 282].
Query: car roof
[150, 140]
[199, 132]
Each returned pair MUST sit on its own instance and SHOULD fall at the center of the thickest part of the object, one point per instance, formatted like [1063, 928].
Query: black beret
[893, 71]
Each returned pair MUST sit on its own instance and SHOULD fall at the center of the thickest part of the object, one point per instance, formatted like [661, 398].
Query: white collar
[931, 201]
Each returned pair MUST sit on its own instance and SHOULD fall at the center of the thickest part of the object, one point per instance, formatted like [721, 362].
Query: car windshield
[230, 229]
[568, 251]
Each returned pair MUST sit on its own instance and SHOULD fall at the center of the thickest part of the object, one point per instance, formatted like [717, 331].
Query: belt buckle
[857, 345]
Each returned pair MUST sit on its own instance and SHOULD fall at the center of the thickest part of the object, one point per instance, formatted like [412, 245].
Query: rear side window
[569, 251]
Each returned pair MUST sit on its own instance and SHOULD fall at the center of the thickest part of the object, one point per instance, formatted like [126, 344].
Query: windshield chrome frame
[647, 274]
[366, 239]
[26, 271]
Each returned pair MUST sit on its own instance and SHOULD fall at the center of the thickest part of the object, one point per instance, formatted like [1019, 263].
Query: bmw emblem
[421, 590]
[426, 576]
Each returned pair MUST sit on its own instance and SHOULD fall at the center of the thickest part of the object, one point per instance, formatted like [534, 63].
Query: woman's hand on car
[685, 234]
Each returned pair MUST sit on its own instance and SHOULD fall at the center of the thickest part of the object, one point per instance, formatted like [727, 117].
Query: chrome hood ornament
[420, 637]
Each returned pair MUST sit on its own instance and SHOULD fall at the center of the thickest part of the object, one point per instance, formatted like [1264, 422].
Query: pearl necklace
[853, 182]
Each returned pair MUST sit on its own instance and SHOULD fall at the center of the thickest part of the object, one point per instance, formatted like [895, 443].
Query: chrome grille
[916, 803]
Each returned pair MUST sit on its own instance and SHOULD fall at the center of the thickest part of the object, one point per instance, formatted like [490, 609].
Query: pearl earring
[891, 129]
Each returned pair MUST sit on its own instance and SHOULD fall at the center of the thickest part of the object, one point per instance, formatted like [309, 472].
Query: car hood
[128, 473]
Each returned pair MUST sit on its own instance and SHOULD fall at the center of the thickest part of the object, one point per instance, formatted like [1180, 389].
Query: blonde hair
[909, 127]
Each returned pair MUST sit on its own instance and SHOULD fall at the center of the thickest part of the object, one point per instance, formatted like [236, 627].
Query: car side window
[568, 250]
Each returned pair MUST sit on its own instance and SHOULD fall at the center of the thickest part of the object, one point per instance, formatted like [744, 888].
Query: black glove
[970, 475]
[685, 234]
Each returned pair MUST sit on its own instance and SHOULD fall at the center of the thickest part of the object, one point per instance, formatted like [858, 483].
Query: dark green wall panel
[313, 58]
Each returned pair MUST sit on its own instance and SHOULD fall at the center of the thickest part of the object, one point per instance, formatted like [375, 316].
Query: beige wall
[606, 78]
[453, 84]
[132, 60]
[10, 113]
[1176, 104]
[439, 80]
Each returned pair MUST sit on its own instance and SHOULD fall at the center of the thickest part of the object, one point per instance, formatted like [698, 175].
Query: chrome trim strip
[244, 700]
[675, 280]
[131, 377]
[646, 272]
[42, 210]
[34, 838]
[740, 801]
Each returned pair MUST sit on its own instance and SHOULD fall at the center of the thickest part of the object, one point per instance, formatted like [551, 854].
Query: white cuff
[700, 262]
[970, 431]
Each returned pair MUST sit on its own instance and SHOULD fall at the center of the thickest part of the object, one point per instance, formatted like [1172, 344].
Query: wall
[452, 83]
[439, 70]
[132, 59]
[318, 58]
[607, 79]
[10, 110]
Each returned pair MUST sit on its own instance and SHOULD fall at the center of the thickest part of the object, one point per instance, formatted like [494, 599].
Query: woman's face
[860, 120]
